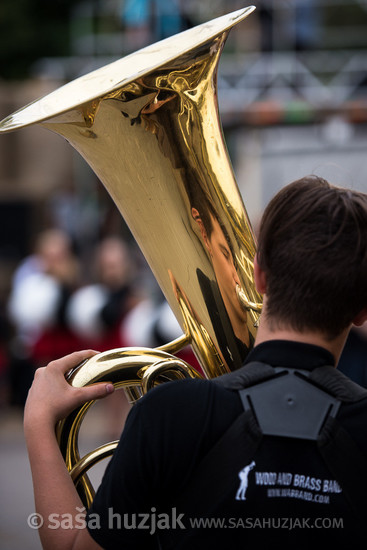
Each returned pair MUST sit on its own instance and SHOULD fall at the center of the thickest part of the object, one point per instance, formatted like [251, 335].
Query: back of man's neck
[334, 346]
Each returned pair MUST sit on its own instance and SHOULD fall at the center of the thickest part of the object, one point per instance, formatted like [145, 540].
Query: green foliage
[30, 29]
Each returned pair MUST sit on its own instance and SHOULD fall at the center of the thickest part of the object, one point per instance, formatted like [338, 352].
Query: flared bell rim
[120, 73]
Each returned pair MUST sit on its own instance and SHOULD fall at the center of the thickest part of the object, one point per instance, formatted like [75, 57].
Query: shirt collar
[287, 353]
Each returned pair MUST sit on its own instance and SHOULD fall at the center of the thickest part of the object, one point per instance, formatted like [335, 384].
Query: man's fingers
[95, 391]
[72, 360]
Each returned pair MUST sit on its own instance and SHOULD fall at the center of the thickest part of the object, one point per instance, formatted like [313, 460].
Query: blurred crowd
[57, 306]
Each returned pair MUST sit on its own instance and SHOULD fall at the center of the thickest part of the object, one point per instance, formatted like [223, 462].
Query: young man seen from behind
[311, 268]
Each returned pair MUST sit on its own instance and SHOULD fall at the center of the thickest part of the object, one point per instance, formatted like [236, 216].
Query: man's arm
[50, 399]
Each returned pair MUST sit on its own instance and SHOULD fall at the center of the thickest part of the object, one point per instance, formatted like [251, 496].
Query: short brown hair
[313, 250]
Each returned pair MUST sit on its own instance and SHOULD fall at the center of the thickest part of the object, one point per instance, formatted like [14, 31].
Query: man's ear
[361, 318]
[260, 277]
[196, 215]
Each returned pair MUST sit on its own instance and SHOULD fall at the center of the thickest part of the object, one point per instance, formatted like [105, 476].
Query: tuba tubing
[149, 127]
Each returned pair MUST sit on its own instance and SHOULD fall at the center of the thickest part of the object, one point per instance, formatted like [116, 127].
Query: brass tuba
[148, 125]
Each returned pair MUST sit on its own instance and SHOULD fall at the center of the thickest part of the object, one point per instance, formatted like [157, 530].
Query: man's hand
[52, 398]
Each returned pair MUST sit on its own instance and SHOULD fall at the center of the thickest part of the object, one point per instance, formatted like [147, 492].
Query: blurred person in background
[147, 21]
[306, 25]
[41, 287]
[298, 25]
[96, 311]
[353, 360]
[152, 323]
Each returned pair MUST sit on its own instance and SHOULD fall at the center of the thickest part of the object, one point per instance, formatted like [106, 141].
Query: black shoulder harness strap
[299, 404]
[294, 407]
[304, 405]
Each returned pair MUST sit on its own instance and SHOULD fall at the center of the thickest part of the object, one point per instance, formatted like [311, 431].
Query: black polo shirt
[286, 495]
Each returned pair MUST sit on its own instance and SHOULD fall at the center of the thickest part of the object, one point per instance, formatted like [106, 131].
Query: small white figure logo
[243, 475]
